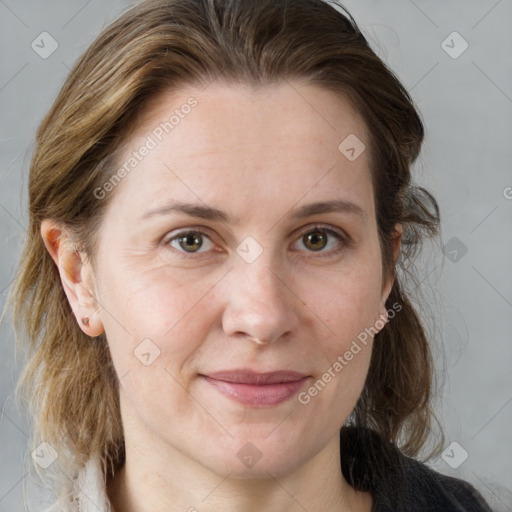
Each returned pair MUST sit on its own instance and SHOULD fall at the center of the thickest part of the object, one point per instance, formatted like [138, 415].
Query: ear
[76, 276]
[397, 239]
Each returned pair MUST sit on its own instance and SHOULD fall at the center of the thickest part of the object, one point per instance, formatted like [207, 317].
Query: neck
[176, 483]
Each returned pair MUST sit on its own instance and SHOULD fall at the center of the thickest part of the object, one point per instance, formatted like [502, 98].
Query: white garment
[88, 492]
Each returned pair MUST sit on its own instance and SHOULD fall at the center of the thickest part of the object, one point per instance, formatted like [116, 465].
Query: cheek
[168, 312]
[346, 308]
[155, 332]
[345, 304]
[345, 352]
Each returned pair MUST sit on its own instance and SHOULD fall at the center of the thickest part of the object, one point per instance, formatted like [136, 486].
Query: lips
[256, 389]
[251, 377]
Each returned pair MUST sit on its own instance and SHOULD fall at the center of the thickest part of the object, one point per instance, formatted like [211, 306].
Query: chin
[256, 457]
[263, 469]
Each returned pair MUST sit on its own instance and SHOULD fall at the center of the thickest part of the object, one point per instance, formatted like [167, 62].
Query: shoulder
[87, 490]
[430, 490]
[401, 483]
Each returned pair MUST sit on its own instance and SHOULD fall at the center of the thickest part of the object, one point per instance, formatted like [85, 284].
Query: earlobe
[91, 326]
[75, 275]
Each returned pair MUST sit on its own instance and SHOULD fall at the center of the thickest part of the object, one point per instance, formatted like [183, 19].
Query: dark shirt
[399, 483]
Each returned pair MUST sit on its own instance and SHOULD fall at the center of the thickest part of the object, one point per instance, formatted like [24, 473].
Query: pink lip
[256, 389]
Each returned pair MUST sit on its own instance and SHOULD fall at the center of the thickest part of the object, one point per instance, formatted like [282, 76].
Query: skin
[257, 155]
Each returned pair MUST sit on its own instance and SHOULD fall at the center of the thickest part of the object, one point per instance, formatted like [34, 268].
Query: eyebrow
[214, 214]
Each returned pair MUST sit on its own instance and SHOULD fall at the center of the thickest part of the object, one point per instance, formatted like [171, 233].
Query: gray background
[466, 103]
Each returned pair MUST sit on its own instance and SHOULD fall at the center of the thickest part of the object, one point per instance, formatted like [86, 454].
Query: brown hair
[69, 380]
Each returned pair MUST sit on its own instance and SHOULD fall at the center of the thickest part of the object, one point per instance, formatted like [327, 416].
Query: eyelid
[181, 231]
[341, 235]
[202, 230]
[325, 227]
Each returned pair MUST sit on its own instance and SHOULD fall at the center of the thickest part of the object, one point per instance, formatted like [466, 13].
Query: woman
[220, 198]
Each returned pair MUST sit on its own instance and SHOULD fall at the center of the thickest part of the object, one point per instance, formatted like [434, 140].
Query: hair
[68, 380]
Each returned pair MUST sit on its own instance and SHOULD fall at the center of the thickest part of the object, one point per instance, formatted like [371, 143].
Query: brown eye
[315, 240]
[190, 242]
[318, 238]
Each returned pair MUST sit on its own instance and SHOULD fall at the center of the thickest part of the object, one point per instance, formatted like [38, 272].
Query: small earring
[85, 321]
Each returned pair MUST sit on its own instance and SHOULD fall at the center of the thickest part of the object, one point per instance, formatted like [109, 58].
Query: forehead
[230, 140]
[222, 109]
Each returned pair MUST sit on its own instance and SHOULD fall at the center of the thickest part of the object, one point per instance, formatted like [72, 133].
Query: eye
[316, 239]
[190, 242]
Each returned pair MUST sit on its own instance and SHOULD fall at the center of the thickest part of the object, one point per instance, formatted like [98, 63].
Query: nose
[260, 303]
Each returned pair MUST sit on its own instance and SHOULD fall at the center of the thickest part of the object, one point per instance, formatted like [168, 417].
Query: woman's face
[209, 260]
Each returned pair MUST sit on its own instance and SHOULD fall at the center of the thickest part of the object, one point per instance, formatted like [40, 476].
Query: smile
[257, 390]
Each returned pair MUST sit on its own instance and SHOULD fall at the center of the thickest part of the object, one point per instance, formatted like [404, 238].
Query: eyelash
[344, 239]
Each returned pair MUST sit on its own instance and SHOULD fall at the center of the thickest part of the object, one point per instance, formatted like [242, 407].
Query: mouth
[256, 389]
